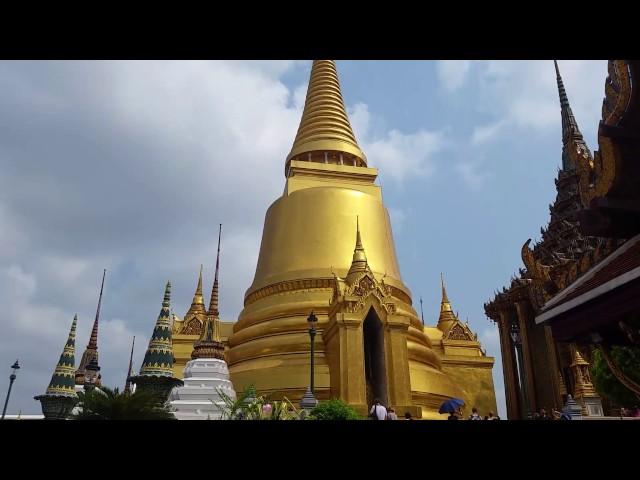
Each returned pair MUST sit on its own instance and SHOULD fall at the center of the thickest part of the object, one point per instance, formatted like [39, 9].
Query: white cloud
[395, 153]
[398, 218]
[524, 95]
[130, 166]
[486, 133]
[453, 73]
[472, 174]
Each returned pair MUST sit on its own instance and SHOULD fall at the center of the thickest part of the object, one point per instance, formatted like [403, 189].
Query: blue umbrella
[451, 405]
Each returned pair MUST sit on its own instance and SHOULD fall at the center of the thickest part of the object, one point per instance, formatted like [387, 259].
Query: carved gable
[192, 327]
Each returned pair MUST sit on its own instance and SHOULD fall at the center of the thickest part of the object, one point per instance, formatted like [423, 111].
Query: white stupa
[207, 374]
[199, 398]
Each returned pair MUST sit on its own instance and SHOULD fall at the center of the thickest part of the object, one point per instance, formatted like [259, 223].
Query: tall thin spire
[213, 304]
[93, 341]
[570, 131]
[325, 126]
[421, 312]
[445, 299]
[90, 355]
[127, 385]
[209, 345]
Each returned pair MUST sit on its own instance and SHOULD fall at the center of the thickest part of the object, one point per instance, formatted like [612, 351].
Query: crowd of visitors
[380, 412]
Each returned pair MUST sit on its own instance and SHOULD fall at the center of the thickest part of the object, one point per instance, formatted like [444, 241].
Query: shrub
[334, 410]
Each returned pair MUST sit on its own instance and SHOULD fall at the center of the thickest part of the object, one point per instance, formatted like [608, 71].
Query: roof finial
[325, 126]
[570, 130]
[445, 299]
[421, 312]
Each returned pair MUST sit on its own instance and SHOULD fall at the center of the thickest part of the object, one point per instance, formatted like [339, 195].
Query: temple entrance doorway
[374, 362]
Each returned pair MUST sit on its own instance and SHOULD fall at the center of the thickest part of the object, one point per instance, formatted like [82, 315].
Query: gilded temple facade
[327, 247]
[540, 372]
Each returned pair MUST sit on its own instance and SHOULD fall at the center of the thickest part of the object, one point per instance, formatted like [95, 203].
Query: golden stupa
[327, 247]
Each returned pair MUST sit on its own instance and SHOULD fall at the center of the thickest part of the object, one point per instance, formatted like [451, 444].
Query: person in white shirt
[378, 411]
[474, 414]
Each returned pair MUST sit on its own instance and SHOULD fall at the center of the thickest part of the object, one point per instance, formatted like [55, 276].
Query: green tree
[103, 403]
[627, 359]
[334, 409]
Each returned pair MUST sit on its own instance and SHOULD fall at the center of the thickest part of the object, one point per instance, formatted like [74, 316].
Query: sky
[131, 166]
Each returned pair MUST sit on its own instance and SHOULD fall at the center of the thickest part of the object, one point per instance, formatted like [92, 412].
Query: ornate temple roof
[325, 126]
[561, 240]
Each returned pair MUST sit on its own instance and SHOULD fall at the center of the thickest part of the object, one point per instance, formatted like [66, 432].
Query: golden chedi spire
[307, 242]
[447, 318]
[209, 345]
[324, 128]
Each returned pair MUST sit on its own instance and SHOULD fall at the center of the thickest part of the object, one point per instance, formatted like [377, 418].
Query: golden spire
[325, 126]
[359, 263]
[209, 345]
[447, 317]
[197, 305]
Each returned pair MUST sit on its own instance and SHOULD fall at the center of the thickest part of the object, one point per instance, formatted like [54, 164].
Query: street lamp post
[308, 401]
[517, 341]
[12, 378]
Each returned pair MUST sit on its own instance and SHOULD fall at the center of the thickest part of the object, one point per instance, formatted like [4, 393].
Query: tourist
[391, 414]
[378, 411]
[474, 414]
[543, 415]
[453, 416]
[408, 416]
[491, 417]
